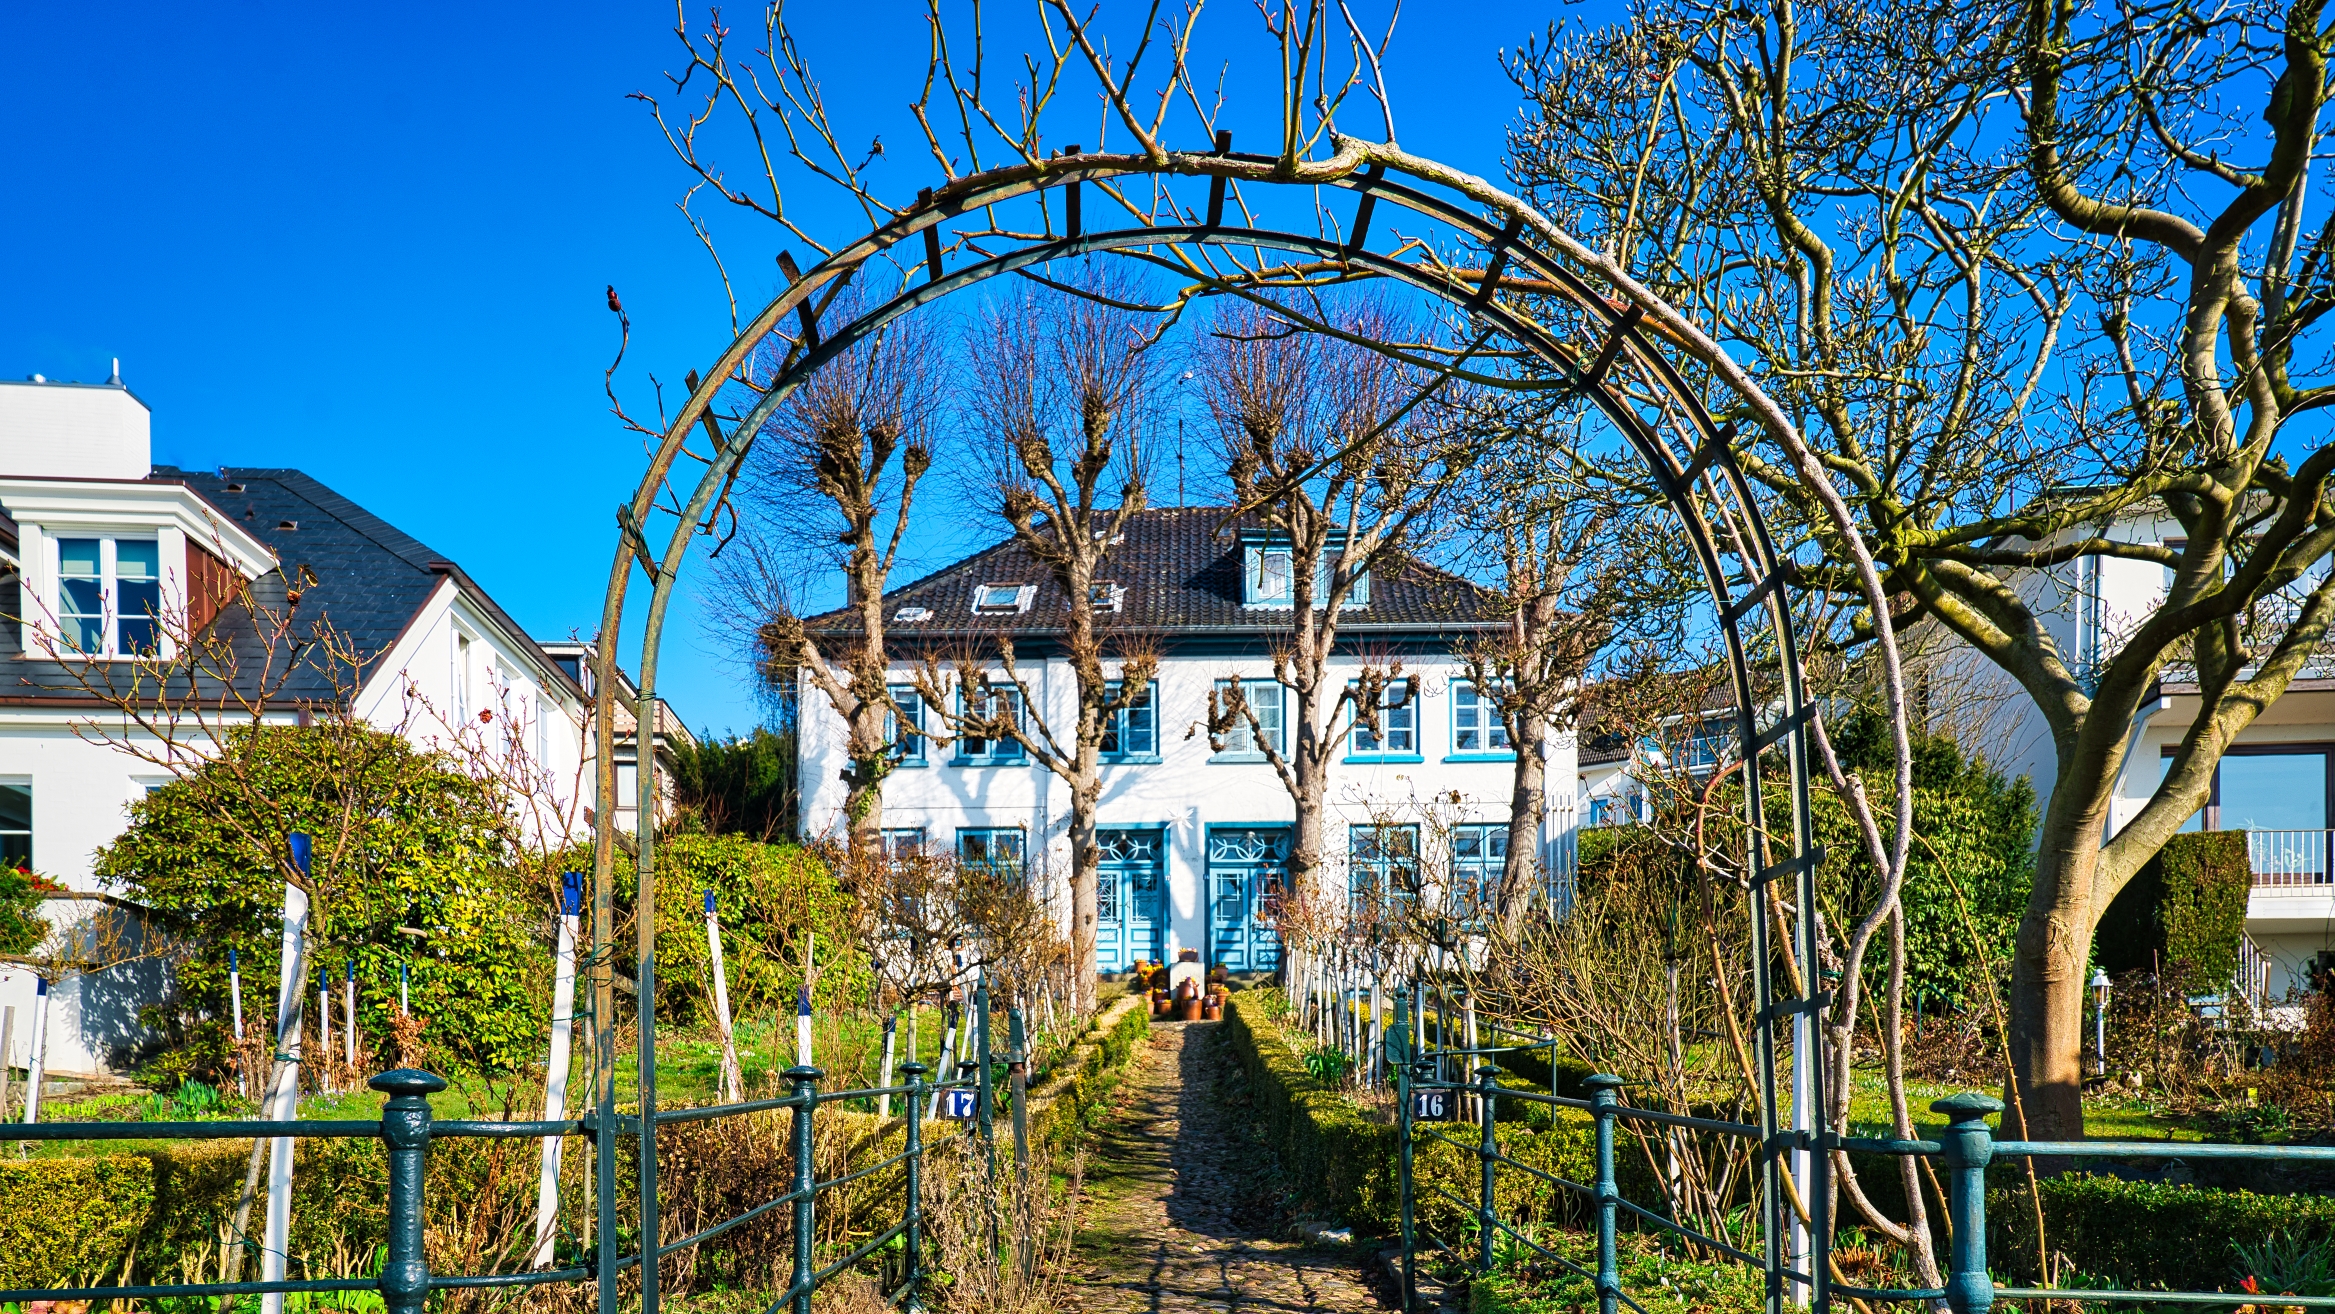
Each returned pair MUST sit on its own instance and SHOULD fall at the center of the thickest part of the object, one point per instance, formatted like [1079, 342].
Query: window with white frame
[1398, 723]
[1476, 726]
[1002, 706]
[1263, 698]
[1002, 599]
[109, 595]
[16, 824]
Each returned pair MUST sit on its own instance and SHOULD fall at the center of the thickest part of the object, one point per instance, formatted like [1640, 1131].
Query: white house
[97, 543]
[575, 658]
[1195, 840]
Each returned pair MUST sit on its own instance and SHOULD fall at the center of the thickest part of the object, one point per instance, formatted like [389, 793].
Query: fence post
[1487, 1214]
[405, 1129]
[1017, 1044]
[1969, 1146]
[912, 1219]
[1602, 1100]
[1404, 1157]
[806, 1084]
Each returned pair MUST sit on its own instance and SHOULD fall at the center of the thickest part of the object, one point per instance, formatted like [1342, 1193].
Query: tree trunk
[1086, 861]
[2047, 984]
[1521, 870]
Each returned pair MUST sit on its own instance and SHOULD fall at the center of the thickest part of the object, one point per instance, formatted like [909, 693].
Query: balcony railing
[2290, 857]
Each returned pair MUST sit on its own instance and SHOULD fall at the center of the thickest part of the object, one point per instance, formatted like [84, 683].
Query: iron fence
[1964, 1149]
[407, 1127]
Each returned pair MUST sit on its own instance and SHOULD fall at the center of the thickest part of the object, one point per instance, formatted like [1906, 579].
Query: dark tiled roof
[1181, 569]
[362, 576]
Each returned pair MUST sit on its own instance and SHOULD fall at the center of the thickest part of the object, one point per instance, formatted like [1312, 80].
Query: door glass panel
[2274, 791]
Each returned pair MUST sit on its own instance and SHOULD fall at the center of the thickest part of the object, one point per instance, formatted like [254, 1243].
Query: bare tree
[1062, 382]
[1328, 448]
[835, 476]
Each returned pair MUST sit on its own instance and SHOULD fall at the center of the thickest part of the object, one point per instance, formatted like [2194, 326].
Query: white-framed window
[1476, 726]
[1398, 724]
[459, 678]
[16, 823]
[109, 595]
[1240, 739]
[1002, 599]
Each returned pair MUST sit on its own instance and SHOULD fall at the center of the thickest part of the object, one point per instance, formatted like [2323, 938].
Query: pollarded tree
[2029, 270]
[831, 484]
[1062, 383]
[1337, 451]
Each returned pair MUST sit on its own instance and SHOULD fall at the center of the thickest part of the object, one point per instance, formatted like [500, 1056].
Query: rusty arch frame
[1703, 484]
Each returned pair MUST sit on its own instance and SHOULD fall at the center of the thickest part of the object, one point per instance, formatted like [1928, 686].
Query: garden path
[1181, 1212]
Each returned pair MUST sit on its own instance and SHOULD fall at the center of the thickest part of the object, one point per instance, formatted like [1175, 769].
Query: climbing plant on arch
[1587, 329]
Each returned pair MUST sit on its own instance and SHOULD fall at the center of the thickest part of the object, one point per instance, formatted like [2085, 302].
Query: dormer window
[1002, 599]
[910, 615]
[109, 594]
[1106, 596]
[1269, 574]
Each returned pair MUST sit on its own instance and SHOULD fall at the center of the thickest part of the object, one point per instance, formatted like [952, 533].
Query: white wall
[74, 430]
[1184, 793]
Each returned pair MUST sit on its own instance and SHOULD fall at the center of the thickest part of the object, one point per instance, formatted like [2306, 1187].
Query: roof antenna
[116, 380]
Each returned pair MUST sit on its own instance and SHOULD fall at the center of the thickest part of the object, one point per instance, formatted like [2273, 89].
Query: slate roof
[1181, 569]
[363, 576]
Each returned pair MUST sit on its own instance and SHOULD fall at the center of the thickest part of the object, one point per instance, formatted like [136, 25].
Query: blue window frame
[1382, 861]
[1476, 727]
[1240, 740]
[1479, 853]
[974, 750]
[1269, 577]
[905, 731]
[1131, 734]
[997, 849]
[1397, 739]
[900, 841]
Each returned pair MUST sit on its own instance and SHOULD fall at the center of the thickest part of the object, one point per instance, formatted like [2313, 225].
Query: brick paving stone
[1182, 1205]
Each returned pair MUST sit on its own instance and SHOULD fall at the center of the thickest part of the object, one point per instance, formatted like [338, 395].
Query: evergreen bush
[2187, 905]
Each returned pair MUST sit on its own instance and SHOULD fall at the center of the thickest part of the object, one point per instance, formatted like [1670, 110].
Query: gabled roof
[1180, 568]
[361, 575]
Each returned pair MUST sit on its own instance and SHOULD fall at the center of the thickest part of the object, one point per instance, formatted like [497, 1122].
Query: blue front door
[1128, 891]
[1246, 868]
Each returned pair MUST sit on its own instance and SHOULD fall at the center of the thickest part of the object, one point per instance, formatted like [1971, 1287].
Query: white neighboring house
[2277, 782]
[1195, 841]
[96, 542]
[575, 657]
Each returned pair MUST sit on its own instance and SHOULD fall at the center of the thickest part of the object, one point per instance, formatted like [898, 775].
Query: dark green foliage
[21, 926]
[426, 847]
[2188, 905]
[2148, 1234]
[1972, 829]
[743, 786]
[769, 898]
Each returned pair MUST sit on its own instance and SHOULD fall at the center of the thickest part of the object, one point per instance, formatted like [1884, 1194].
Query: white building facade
[108, 558]
[1195, 840]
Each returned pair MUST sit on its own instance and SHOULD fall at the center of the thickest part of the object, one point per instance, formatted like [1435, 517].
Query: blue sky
[372, 243]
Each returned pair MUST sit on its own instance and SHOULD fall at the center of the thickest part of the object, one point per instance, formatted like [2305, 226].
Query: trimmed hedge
[2188, 904]
[1340, 1162]
[2146, 1234]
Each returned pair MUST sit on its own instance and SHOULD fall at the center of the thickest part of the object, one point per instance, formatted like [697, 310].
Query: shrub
[769, 898]
[2148, 1234]
[2187, 905]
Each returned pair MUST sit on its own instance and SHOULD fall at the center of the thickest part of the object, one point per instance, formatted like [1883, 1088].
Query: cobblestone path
[1181, 1209]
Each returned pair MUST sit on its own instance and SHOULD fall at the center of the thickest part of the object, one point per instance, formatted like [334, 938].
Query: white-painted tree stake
[941, 1066]
[323, 1028]
[404, 1008]
[349, 1017]
[235, 1005]
[884, 1101]
[36, 1064]
[284, 1100]
[802, 1026]
[555, 1075]
[721, 1004]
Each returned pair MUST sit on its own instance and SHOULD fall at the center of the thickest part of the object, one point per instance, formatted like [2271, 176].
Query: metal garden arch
[1686, 454]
